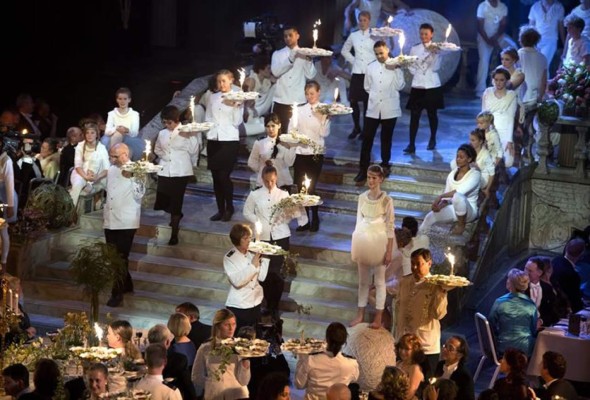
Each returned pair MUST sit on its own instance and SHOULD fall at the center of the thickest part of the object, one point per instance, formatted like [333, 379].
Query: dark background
[75, 54]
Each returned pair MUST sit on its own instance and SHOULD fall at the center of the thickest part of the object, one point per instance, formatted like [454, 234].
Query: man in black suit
[541, 292]
[26, 106]
[200, 332]
[454, 354]
[552, 372]
[565, 278]
[16, 381]
[177, 365]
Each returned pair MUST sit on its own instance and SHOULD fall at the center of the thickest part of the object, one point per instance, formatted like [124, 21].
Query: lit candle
[242, 73]
[306, 184]
[451, 258]
[192, 108]
[389, 20]
[16, 309]
[315, 32]
[448, 32]
[294, 116]
[24, 132]
[10, 306]
[98, 331]
[258, 228]
[401, 40]
[335, 94]
[148, 149]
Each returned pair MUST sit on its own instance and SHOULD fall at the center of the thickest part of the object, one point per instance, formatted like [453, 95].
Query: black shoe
[315, 225]
[115, 301]
[227, 216]
[431, 144]
[302, 228]
[173, 240]
[216, 217]
[361, 136]
[128, 288]
[410, 149]
[361, 177]
[354, 133]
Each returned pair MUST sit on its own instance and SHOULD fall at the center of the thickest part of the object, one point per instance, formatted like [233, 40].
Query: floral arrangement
[402, 61]
[96, 354]
[141, 167]
[333, 109]
[572, 85]
[548, 112]
[435, 47]
[295, 137]
[290, 207]
[26, 353]
[76, 329]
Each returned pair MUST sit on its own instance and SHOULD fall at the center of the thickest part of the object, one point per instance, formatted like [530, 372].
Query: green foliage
[548, 112]
[54, 203]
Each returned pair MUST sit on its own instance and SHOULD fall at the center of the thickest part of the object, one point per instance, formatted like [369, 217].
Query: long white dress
[504, 110]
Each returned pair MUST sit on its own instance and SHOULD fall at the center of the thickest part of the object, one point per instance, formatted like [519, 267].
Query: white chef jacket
[177, 153]
[291, 75]
[425, 71]
[122, 209]
[154, 384]
[314, 125]
[130, 120]
[362, 44]
[258, 207]
[245, 291]
[262, 151]
[383, 85]
[226, 118]
[316, 373]
[491, 16]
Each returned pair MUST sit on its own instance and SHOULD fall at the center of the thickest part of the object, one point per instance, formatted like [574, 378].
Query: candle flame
[448, 32]
[24, 132]
[242, 73]
[306, 182]
[315, 36]
[98, 331]
[451, 258]
[294, 116]
[148, 147]
[258, 227]
[192, 108]
[335, 95]
[389, 20]
[402, 41]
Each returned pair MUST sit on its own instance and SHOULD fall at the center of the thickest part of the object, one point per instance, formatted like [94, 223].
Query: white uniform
[245, 291]
[129, 120]
[262, 151]
[226, 118]
[362, 43]
[425, 71]
[291, 73]
[314, 125]
[153, 384]
[123, 206]
[383, 85]
[177, 153]
[316, 373]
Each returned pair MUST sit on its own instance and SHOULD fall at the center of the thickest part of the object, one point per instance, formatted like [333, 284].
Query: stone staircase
[165, 276]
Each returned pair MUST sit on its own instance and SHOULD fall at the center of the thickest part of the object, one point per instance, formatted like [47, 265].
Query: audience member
[46, 380]
[546, 16]
[509, 58]
[442, 389]
[8, 120]
[67, 155]
[514, 385]
[583, 11]
[152, 382]
[200, 332]
[119, 336]
[180, 326]
[98, 377]
[45, 120]
[553, 370]
[25, 107]
[394, 385]
[16, 381]
[541, 292]
[578, 46]
[565, 279]
[332, 79]
[513, 316]
[454, 356]
[410, 360]
[338, 391]
[261, 81]
[274, 386]
[317, 372]
[123, 121]
[49, 158]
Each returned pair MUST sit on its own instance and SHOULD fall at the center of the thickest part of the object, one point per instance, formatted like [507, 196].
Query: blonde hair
[518, 280]
[486, 116]
[179, 325]
[220, 317]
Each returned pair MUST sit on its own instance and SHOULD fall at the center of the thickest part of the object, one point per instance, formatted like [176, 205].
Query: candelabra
[8, 318]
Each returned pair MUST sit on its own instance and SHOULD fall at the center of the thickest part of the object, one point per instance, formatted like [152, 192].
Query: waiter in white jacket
[291, 70]
[383, 83]
[361, 42]
[121, 215]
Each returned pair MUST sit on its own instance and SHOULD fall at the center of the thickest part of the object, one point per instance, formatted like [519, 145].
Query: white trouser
[459, 207]
[365, 273]
[548, 47]
[485, 52]
[79, 183]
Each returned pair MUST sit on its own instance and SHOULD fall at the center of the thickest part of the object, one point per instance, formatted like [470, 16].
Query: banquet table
[575, 349]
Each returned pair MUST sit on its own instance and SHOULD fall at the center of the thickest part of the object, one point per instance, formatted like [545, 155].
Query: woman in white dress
[216, 384]
[484, 161]
[459, 201]
[502, 103]
[373, 242]
[270, 148]
[91, 164]
[509, 57]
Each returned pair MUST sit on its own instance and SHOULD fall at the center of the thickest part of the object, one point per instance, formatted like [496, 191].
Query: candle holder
[8, 317]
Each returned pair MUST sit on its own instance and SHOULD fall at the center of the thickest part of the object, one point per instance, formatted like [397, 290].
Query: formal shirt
[534, 66]
[425, 70]
[159, 391]
[558, 387]
[448, 370]
[177, 153]
[459, 374]
[129, 120]
[259, 207]
[316, 373]
[585, 15]
[576, 50]
[420, 306]
[245, 291]
[536, 293]
[26, 122]
[566, 280]
[314, 125]
[383, 85]
[262, 151]
[122, 209]
[547, 18]
[291, 72]
[231, 385]
[492, 16]
[513, 318]
[362, 43]
[226, 118]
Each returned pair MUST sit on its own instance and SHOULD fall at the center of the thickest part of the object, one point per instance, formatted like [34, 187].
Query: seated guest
[68, 153]
[339, 391]
[514, 385]
[119, 336]
[274, 386]
[25, 107]
[180, 327]
[16, 381]
[177, 365]
[200, 332]
[565, 279]
[540, 292]
[317, 372]
[513, 317]
[394, 385]
[552, 371]
[441, 389]
[49, 158]
[152, 382]
[97, 376]
[45, 379]
[411, 356]
[454, 354]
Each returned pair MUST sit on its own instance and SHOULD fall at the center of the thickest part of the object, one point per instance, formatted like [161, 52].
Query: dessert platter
[141, 167]
[248, 348]
[304, 200]
[401, 61]
[314, 52]
[448, 280]
[385, 31]
[333, 109]
[241, 96]
[294, 137]
[443, 47]
[266, 249]
[197, 127]
[304, 346]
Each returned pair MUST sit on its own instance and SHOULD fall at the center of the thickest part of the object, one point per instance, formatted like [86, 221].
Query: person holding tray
[244, 271]
[373, 242]
[316, 126]
[259, 209]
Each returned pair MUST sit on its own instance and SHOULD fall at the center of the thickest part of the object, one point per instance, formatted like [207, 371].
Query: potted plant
[97, 266]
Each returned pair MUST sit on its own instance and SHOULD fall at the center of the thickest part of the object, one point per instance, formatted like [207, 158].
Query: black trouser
[224, 189]
[310, 165]
[274, 283]
[358, 94]
[284, 112]
[246, 316]
[415, 124]
[122, 239]
[369, 132]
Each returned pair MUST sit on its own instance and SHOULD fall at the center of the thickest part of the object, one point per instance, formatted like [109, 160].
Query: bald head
[338, 391]
[119, 154]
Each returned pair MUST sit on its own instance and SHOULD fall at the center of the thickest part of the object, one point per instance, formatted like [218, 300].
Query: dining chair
[487, 347]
